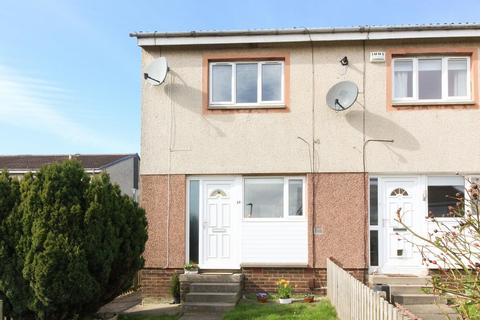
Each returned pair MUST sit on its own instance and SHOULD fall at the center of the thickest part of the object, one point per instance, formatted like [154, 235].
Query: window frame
[446, 99]
[260, 104]
[285, 216]
[444, 181]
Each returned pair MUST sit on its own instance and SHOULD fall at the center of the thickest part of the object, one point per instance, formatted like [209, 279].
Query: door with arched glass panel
[401, 196]
[219, 223]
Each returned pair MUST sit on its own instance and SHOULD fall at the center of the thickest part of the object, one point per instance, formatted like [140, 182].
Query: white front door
[399, 254]
[220, 222]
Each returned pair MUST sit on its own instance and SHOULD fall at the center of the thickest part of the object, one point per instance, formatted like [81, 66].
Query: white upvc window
[442, 193]
[246, 84]
[435, 79]
[274, 197]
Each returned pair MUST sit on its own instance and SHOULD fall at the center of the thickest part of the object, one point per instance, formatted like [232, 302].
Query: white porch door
[220, 222]
[399, 255]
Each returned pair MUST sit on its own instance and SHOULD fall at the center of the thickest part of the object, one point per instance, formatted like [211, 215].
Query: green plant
[453, 250]
[175, 288]
[284, 289]
[68, 243]
[191, 266]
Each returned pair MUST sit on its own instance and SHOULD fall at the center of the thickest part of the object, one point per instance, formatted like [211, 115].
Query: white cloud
[31, 102]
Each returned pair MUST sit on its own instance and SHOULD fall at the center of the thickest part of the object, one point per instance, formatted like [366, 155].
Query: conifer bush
[68, 243]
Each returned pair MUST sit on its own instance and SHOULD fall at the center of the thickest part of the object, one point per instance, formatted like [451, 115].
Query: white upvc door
[398, 254]
[220, 218]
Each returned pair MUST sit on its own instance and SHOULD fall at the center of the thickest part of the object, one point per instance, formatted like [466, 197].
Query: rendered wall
[425, 140]
[122, 173]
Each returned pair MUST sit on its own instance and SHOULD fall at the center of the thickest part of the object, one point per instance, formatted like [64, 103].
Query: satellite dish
[156, 72]
[342, 96]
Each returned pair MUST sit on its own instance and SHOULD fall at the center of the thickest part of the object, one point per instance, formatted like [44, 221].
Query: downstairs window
[274, 197]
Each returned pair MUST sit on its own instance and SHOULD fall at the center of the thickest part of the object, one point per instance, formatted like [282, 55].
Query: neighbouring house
[245, 167]
[122, 168]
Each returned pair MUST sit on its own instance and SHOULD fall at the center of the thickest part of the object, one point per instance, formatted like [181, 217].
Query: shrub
[71, 244]
[175, 288]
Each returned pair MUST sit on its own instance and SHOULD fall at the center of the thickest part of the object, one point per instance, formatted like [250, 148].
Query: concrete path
[122, 303]
[132, 305]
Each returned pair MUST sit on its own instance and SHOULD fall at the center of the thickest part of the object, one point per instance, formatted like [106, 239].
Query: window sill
[400, 104]
[240, 107]
[274, 265]
[283, 219]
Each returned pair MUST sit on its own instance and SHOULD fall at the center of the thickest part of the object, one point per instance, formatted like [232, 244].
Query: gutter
[24, 171]
[360, 33]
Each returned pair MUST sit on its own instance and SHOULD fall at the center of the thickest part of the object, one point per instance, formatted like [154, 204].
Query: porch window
[246, 84]
[273, 197]
[373, 213]
[431, 79]
[193, 214]
[442, 193]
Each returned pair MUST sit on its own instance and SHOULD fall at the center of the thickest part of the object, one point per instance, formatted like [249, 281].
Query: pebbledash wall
[336, 211]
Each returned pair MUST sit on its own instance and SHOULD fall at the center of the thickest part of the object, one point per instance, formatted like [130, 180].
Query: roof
[34, 162]
[367, 32]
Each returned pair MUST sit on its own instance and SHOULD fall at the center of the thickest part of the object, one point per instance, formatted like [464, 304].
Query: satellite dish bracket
[342, 95]
[337, 103]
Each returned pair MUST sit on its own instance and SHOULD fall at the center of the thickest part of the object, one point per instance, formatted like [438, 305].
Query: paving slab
[121, 303]
[154, 309]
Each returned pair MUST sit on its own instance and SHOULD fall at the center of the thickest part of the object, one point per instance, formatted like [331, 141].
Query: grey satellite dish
[156, 72]
[342, 96]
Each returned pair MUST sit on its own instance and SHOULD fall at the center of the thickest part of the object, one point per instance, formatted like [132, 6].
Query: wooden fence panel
[355, 301]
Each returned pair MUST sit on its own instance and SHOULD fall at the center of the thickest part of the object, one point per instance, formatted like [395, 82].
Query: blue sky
[70, 74]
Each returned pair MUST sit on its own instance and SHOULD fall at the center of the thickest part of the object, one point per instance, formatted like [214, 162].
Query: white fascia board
[316, 37]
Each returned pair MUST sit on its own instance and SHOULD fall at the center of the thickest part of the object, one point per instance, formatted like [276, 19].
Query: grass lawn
[123, 317]
[252, 310]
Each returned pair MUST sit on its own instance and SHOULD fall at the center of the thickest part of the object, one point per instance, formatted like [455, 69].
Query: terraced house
[246, 169]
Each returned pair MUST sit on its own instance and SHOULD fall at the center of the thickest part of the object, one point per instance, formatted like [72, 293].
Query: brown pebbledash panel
[154, 199]
[341, 217]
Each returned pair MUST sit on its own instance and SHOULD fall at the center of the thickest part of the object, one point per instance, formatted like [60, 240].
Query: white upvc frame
[445, 97]
[233, 103]
[285, 216]
[236, 182]
[377, 227]
[423, 206]
[444, 181]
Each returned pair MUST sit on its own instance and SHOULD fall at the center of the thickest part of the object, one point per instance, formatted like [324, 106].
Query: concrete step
[408, 288]
[408, 299]
[215, 287]
[207, 307]
[209, 278]
[433, 312]
[213, 297]
[399, 280]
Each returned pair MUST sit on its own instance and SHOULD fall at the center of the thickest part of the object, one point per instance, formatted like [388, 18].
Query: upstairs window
[246, 84]
[437, 79]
